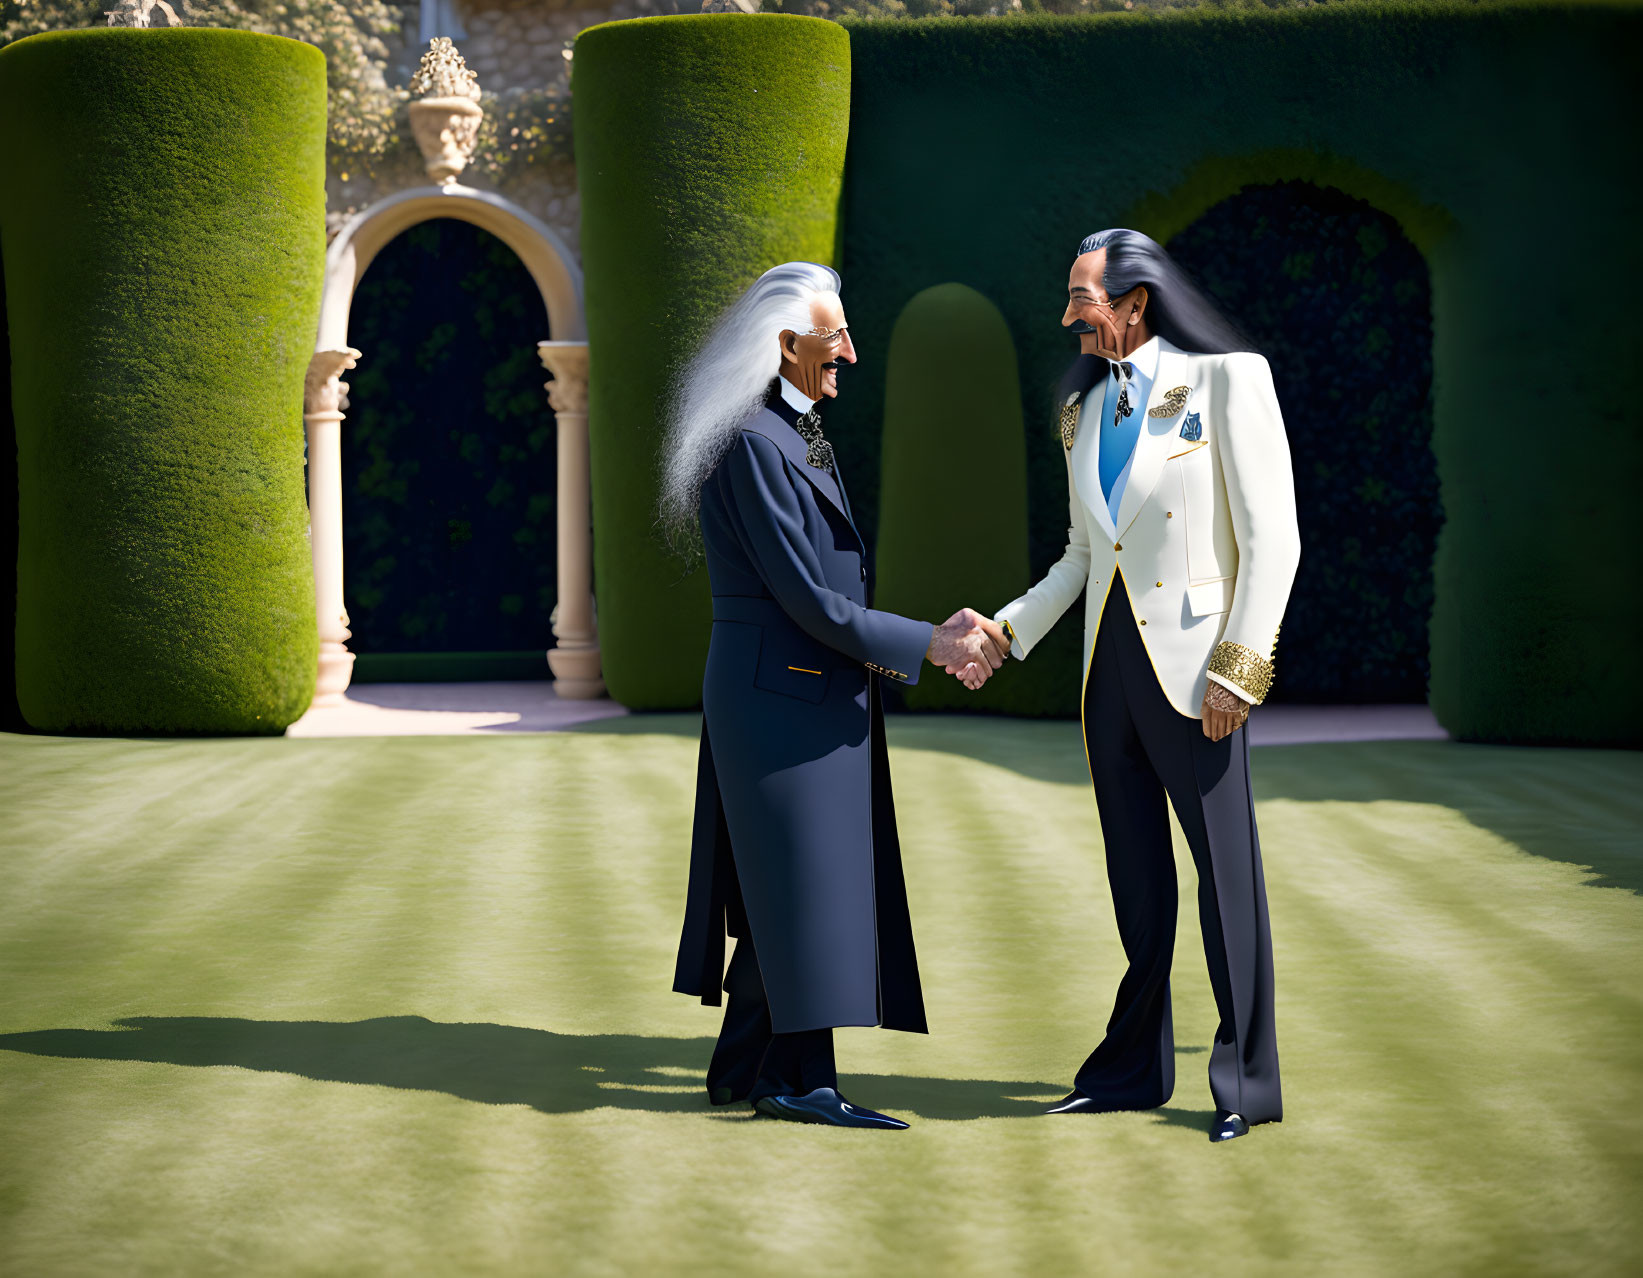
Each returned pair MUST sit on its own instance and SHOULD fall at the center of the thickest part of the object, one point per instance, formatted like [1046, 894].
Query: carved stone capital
[568, 362]
[322, 391]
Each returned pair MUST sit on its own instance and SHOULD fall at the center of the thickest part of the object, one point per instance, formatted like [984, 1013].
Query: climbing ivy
[368, 126]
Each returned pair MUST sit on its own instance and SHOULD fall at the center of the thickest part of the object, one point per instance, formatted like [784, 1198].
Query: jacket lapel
[1086, 461]
[779, 433]
[1153, 446]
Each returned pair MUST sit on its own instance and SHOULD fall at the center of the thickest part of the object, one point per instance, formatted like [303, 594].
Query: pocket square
[1192, 429]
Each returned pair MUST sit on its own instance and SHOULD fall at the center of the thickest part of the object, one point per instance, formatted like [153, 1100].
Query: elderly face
[811, 360]
[1101, 322]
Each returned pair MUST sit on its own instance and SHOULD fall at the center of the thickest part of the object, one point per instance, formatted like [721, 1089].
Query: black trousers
[749, 1061]
[1144, 753]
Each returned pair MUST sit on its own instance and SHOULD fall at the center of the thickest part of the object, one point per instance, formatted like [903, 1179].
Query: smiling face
[811, 360]
[1110, 327]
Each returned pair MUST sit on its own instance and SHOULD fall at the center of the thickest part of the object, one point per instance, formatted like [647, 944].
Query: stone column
[323, 397]
[575, 661]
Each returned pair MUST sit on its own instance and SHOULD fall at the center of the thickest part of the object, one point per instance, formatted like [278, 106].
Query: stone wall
[514, 46]
[520, 44]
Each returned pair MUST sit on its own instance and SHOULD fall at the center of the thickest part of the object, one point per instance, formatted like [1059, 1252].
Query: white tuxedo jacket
[1205, 535]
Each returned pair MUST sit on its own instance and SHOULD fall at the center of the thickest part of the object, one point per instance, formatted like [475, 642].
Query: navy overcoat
[795, 829]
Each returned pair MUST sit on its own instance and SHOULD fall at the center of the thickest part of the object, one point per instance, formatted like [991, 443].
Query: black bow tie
[1124, 371]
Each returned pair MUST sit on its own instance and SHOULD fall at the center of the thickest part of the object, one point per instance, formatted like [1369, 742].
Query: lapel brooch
[1192, 429]
[1174, 402]
[1069, 421]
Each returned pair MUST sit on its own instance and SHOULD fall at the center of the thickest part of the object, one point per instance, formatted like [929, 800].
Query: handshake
[969, 646]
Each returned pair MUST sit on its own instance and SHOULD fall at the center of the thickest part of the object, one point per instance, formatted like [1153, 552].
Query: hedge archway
[1339, 301]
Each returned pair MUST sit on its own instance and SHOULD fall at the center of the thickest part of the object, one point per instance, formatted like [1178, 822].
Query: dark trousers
[748, 1060]
[1143, 752]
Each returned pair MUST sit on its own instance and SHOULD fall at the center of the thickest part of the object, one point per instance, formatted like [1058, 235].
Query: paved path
[449, 709]
[454, 709]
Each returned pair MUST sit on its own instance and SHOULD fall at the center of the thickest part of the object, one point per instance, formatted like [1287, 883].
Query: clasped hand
[969, 647]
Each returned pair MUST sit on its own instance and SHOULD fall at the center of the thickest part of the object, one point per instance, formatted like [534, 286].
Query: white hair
[725, 383]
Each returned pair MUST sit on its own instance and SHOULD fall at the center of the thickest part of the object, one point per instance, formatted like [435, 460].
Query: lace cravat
[819, 452]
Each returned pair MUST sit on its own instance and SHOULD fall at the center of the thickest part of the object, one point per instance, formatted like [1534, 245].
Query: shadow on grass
[1576, 806]
[490, 1064]
[1197, 1120]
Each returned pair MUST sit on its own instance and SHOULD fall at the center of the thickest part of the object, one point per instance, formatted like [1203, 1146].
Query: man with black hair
[1183, 536]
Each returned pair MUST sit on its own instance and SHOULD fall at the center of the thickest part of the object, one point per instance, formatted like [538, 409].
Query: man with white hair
[794, 850]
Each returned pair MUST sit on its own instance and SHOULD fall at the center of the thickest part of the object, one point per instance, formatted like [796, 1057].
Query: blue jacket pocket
[794, 670]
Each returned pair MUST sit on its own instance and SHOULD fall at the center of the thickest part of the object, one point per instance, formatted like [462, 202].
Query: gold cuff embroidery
[1244, 667]
[887, 673]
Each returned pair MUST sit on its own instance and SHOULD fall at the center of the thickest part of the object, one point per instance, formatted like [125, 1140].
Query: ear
[790, 345]
[1140, 303]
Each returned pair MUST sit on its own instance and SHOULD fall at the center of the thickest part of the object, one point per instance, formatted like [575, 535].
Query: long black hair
[1177, 309]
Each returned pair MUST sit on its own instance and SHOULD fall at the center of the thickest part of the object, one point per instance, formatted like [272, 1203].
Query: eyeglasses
[1100, 304]
[828, 335]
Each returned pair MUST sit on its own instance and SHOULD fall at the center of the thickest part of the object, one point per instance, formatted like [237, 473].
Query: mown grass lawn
[401, 1006]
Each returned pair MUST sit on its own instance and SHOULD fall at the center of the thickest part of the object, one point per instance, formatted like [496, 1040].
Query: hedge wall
[967, 164]
[11, 717]
[709, 148]
[953, 524]
[162, 221]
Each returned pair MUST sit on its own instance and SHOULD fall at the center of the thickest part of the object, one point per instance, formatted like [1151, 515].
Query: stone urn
[446, 129]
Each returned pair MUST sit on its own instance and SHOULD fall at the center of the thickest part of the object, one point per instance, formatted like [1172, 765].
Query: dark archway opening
[448, 464]
[1339, 301]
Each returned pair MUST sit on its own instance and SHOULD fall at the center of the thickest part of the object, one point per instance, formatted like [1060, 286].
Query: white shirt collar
[1144, 358]
[795, 397]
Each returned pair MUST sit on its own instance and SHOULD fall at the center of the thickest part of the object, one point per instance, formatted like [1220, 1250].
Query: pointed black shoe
[1227, 1126]
[824, 1106]
[1074, 1102]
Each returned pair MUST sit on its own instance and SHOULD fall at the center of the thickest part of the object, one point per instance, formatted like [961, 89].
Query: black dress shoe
[825, 1106]
[1074, 1102]
[1227, 1126]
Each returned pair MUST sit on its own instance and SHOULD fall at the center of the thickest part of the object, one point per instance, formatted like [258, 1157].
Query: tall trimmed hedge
[967, 164]
[11, 718]
[162, 221]
[709, 148]
[953, 522]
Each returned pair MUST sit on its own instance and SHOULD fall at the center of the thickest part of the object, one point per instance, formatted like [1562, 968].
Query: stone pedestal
[446, 130]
